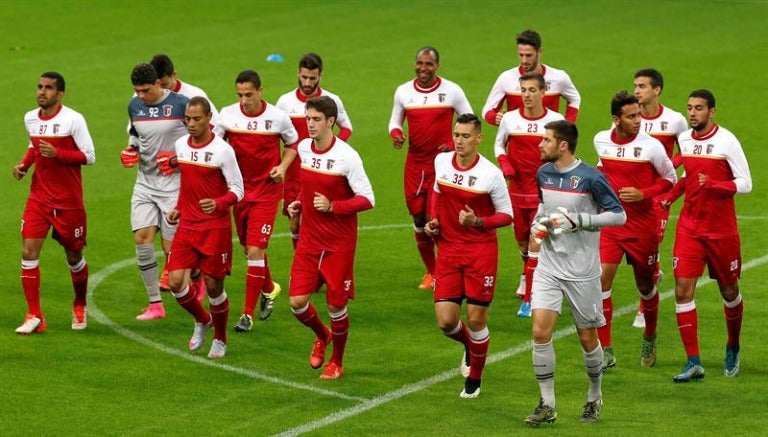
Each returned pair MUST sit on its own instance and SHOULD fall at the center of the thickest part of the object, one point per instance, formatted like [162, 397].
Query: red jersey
[337, 173]
[256, 142]
[208, 171]
[57, 182]
[665, 126]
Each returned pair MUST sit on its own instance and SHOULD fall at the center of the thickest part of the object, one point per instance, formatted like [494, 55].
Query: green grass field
[124, 377]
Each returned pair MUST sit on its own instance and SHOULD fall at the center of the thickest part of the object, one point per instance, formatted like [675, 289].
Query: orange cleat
[163, 282]
[317, 357]
[332, 371]
[427, 282]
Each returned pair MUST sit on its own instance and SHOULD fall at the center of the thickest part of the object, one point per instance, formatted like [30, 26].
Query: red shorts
[290, 193]
[310, 271]
[418, 184]
[255, 222]
[463, 276]
[210, 250]
[663, 218]
[69, 225]
[642, 253]
[722, 256]
[523, 219]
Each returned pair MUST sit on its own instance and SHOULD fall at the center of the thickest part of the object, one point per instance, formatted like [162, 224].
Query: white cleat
[198, 335]
[218, 349]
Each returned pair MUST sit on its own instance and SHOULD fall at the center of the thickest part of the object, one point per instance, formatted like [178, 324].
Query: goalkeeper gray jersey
[153, 129]
[574, 256]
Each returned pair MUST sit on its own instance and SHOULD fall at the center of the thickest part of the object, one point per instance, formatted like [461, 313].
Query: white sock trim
[606, 294]
[77, 267]
[685, 307]
[218, 300]
[183, 292]
[734, 303]
[338, 315]
[256, 263]
[29, 264]
[301, 310]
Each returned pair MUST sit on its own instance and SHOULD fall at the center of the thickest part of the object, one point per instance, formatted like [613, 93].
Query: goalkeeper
[575, 202]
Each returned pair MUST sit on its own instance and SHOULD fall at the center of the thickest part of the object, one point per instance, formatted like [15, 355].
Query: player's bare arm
[499, 116]
[398, 142]
[630, 194]
[172, 217]
[278, 173]
[19, 171]
[294, 208]
[46, 149]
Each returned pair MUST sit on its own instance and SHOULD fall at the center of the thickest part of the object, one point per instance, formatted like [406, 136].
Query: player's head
[165, 70]
[249, 91]
[145, 83]
[701, 109]
[648, 85]
[559, 140]
[50, 89]
[197, 116]
[528, 49]
[467, 134]
[625, 112]
[321, 115]
[310, 71]
[427, 64]
[532, 89]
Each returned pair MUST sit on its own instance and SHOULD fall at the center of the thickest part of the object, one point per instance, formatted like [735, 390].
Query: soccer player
[638, 170]
[470, 201]
[428, 103]
[665, 125]
[517, 152]
[506, 89]
[254, 129]
[576, 201]
[59, 144]
[169, 80]
[210, 184]
[309, 74]
[334, 188]
[156, 121]
[707, 233]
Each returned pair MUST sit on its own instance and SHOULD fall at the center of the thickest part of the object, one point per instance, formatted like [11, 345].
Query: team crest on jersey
[329, 164]
[637, 151]
[472, 180]
[548, 85]
[575, 182]
[267, 124]
[710, 147]
[664, 125]
[441, 97]
[55, 129]
[208, 156]
[167, 110]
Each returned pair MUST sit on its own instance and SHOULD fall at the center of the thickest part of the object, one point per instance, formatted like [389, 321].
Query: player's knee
[176, 280]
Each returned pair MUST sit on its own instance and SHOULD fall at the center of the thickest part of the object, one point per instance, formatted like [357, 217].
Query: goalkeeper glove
[167, 162]
[129, 157]
[539, 229]
[564, 221]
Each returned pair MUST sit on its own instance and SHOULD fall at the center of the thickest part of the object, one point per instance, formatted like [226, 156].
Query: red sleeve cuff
[490, 117]
[344, 133]
[75, 157]
[351, 206]
[497, 220]
[396, 133]
[226, 201]
[571, 113]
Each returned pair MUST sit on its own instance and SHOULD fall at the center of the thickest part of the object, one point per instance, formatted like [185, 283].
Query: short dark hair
[472, 119]
[620, 100]
[430, 49]
[530, 38]
[564, 130]
[706, 95]
[535, 76]
[202, 102]
[60, 84]
[657, 80]
[324, 104]
[311, 61]
[144, 74]
[249, 76]
[163, 65]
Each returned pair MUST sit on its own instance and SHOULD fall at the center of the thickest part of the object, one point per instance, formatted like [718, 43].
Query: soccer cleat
[465, 365]
[639, 321]
[691, 372]
[731, 368]
[525, 310]
[267, 301]
[427, 282]
[648, 351]
[520, 293]
[542, 414]
[244, 324]
[79, 317]
[218, 349]
[31, 324]
[332, 371]
[198, 335]
[153, 311]
[317, 357]
[163, 282]
[608, 359]
[591, 411]
[471, 389]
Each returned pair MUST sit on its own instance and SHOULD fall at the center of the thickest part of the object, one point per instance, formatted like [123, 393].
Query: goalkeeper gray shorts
[584, 298]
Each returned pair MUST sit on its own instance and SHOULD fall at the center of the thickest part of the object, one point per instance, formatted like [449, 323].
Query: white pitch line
[444, 376]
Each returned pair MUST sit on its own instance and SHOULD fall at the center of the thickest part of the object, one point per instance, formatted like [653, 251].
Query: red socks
[426, 247]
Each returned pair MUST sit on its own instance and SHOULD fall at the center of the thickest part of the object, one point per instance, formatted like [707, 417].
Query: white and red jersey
[518, 137]
[640, 162]
[506, 89]
[188, 90]
[337, 173]
[666, 126]
[480, 186]
[57, 182]
[256, 141]
[294, 104]
[208, 171]
[429, 112]
[709, 210]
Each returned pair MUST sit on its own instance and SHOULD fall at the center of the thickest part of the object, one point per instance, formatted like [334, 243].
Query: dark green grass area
[124, 377]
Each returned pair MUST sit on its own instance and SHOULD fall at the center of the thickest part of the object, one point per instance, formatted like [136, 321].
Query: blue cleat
[731, 369]
[692, 371]
[525, 310]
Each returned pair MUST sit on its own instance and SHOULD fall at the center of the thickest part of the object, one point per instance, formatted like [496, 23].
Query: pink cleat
[153, 311]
